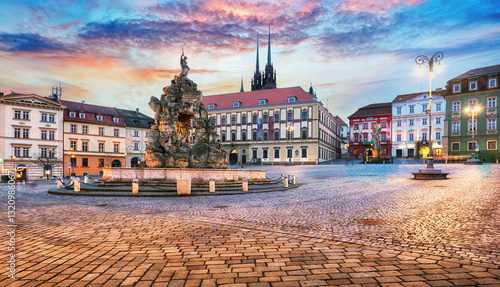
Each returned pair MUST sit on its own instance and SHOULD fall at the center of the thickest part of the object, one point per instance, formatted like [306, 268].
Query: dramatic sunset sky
[355, 52]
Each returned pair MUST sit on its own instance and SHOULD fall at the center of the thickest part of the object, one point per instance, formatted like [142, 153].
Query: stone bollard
[183, 186]
[285, 181]
[59, 183]
[293, 180]
[86, 179]
[211, 185]
[76, 184]
[135, 185]
[245, 184]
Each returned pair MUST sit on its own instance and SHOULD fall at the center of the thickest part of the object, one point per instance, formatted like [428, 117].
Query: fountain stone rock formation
[169, 141]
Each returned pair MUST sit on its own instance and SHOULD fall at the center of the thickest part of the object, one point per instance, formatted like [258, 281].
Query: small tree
[47, 161]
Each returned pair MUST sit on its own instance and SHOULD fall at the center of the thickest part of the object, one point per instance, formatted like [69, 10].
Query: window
[492, 124]
[289, 116]
[254, 153]
[223, 137]
[277, 153]
[73, 161]
[424, 136]
[456, 126]
[117, 132]
[44, 117]
[262, 102]
[304, 134]
[52, 153]
[244, 119]
[26, 151]
[276, 135]
[411, 122]
[101, 131]
[398, 137]
[492, 83]
[438, 136]
[410, 137]
[17, 133]
[44, 135]
[73, 129]
[277, 117]
[356, 126]
[491, 145]
[43, 152]
[492, 102]
[398, 110]
[384, 124]
[233, 120]
[116, 120]
[72, 145]
[101, 162]
[398, 123]
[289, 134]
[85, 146]
[456, 106]
[424, 107]
[72, 114]
[254, 119]
[470, 145]
[266, 118]
[52, 118]
[373, 125]
[304, 115]
[17, 151]
[265, 153]
[116, 148]
[292, 99]
[475, 125]
[254, 135]
[236, 104]
[82, 115]
[136, 133]
[472, 103]
[365, 137]
[243, 136]
[304, 152]
[233, 136]
[52, 135]
[438, 121]
[17, 115]
[365, 126]
[424, 122]
[456, 88]
[26, 133]
[289, 152]
[85, 162]
[455, 146]
[356, 139]
[211, 106]
[438, 106]
[223, 121]
[383, 137]
[473, 85]
[412, 109]
[26, 115]
[136, 146]
[85, 130]
[264, 136]
[101, 147]
[99, 118]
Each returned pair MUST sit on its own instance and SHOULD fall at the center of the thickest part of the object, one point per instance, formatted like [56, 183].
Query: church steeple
[241, 89]
[269, 49]
[267, 79]
[257, 69]
[257, 77]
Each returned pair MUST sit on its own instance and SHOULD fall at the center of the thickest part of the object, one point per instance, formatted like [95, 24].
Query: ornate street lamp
[423, 61]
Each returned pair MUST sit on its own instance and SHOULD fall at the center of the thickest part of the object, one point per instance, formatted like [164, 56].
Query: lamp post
[73, 166]
[290, 130]
[473, 110]
[424, 61]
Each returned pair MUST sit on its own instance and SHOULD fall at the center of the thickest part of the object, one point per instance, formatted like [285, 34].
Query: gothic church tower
[266, 80]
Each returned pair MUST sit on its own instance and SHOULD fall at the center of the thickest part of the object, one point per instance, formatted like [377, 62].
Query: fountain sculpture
[169, 141]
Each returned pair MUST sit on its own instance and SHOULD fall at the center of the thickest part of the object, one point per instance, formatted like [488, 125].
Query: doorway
[233, 157]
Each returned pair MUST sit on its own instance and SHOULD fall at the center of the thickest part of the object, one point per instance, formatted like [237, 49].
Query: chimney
[136, 110]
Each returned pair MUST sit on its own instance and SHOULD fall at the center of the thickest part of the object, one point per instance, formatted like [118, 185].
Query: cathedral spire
[257, 69]
[241, 89]
[269, 48]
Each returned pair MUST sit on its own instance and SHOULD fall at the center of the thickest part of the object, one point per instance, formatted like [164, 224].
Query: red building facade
[362, 123]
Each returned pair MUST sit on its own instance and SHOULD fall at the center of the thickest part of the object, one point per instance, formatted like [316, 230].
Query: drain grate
[370, 222]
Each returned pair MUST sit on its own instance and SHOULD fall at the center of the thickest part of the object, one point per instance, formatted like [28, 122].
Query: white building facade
[410, 125]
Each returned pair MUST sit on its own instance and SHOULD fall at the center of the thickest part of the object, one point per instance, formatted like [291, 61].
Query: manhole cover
[370, 222]
[220, 206]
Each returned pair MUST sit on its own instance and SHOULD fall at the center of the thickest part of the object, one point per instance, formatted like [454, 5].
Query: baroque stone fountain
[169, 142]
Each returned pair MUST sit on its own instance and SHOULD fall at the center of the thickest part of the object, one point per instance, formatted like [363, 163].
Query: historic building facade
[31, 135]
[475, 88]
[410, 124]
[94, 137]
[345, 136]
[362, 123]
[275, 126]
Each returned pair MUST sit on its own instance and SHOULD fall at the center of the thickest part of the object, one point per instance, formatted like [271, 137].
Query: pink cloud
[375, 5]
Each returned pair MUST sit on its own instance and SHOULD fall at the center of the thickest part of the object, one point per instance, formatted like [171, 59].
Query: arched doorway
[134, 162]
[21, 172]
[233, 157]
[116, 163]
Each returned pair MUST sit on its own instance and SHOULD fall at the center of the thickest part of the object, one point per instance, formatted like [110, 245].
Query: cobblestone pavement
[357, 225]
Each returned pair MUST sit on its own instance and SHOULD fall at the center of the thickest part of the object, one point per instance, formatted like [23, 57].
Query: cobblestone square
[352, 225]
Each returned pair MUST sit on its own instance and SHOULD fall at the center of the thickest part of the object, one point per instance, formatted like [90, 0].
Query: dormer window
[72, 114]
[456, 88]
[82, 115]
[492, 83]
[212, 106]
[473, 85]
[292, 99]
[262, 102]
[99, 118]
[116, 120]
[236, 104]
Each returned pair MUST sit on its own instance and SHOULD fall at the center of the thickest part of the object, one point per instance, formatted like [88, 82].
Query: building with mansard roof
[137, 128]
